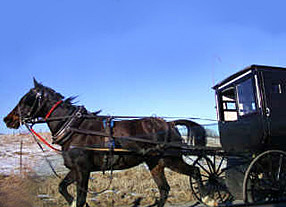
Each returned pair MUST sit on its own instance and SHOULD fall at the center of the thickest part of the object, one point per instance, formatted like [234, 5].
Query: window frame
[254, 93]
[223, 110]
[233, 86]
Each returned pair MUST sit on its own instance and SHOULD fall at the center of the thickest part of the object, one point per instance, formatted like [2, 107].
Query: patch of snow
[33, 159]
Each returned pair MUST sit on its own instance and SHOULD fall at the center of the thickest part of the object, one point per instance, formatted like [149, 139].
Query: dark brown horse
[77, 131]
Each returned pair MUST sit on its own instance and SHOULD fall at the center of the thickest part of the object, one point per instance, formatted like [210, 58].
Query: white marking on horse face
[73, 203]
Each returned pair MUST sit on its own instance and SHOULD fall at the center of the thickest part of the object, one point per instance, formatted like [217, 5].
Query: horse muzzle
[12, 121]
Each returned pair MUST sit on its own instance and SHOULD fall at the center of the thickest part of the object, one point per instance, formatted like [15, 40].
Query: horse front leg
[69, 179]
[82, 188]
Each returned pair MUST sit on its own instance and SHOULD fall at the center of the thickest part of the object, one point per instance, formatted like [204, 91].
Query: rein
[42, 139]
[34, 133]
[40, 146]
[79, 113]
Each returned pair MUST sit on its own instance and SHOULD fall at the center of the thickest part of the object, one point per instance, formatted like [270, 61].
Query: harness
[72, 124]
[69, 127]
[65, 132]
[35, 120]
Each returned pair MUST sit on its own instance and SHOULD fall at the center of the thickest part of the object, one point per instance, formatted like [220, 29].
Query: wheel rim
[265, 178]
[213, 178]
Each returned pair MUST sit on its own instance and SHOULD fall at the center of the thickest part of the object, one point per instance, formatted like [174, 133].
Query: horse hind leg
[157, 171]
[178, 165]
[69, 179]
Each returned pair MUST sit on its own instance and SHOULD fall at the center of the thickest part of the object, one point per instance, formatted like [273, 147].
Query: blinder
[36, 107]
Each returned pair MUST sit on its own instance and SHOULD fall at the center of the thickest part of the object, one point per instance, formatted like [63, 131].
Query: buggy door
[240, 123]
[275, 106]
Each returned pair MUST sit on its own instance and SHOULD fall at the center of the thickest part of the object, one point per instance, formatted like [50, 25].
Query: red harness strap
[46, 117]
[43, 140]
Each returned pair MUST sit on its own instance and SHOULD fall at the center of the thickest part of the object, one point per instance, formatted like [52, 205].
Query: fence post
[21, 161]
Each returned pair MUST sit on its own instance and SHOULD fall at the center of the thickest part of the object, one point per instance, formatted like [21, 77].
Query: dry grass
[127, 186]
[16, 191]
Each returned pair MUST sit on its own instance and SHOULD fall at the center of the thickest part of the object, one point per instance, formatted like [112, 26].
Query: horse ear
[36, 84]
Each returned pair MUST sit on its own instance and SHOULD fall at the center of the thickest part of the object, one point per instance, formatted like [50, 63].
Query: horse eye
[29, 100]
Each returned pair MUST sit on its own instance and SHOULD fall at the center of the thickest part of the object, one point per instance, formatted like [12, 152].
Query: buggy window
[229, 108]
[246, 98]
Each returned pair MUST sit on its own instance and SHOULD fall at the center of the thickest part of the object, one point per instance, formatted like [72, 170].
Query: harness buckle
[78, 114]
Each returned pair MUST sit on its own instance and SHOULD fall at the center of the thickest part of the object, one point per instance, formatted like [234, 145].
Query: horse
[76, 130]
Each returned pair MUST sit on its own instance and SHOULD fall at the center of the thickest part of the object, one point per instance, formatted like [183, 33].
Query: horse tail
[196, 134]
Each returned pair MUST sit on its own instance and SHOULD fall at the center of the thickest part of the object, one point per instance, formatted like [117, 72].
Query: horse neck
[63, 110]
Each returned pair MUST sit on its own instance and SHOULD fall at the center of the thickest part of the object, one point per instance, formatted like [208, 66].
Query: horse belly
[121, 162]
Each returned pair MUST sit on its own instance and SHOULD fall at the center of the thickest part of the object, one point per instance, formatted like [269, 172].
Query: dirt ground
[29, 191]
[32, 183]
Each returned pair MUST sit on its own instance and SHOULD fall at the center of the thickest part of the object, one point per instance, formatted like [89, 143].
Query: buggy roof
[246, 70]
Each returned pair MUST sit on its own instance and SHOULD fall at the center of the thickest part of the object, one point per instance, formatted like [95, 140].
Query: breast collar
[64, 133]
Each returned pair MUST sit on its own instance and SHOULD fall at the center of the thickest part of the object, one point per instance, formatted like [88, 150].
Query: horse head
[33, 104]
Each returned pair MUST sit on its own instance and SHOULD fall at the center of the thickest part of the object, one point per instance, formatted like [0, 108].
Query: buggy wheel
[265, 178]
[212, 169]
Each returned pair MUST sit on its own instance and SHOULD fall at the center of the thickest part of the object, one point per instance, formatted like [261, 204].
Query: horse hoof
[73, 204]
[209, 201]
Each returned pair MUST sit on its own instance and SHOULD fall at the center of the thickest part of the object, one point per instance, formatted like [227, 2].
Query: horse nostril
[11, 118]
[12, 121]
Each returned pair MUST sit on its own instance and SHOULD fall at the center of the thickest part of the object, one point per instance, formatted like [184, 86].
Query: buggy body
[251, 109]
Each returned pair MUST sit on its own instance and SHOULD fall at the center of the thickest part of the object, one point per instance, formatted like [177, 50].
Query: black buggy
[251, 165]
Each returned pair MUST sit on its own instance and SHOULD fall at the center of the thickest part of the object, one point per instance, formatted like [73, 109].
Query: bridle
[37, 106]
[31, 118]
[63, 133]
[67, 124]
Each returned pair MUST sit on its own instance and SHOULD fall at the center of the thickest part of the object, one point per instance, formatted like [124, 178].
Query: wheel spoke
[279, 167]
[205, 176]
[220, 164]
[203, 168]
[196, 183]
[220, 196]
[221, 172]
[214, 161]
[211, 168]
[212, 176]
[222, 177]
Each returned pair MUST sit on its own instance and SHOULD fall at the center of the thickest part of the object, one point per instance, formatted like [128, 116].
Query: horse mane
[70, 100]
[56, 95]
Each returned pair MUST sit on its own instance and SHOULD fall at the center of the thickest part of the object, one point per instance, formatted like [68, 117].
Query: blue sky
[135, 57]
